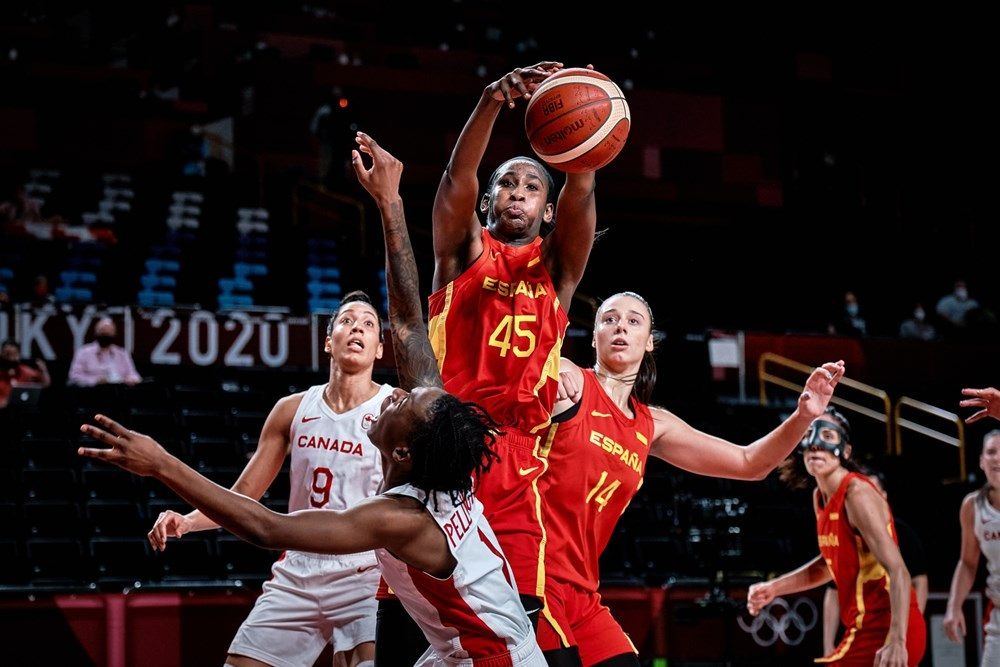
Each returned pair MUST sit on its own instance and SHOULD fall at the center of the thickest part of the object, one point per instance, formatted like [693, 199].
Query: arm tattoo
[415, 362]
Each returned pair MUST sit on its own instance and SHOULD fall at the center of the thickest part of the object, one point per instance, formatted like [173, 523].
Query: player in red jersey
[596, 450]
[858, 550]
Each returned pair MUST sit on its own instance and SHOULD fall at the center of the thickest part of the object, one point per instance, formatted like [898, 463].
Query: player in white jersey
[980, 519]
[435, 547]
[313, 599]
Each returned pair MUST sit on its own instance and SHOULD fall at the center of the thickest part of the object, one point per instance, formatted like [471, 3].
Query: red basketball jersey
[497, 333]
[862, 582]
[596, 462]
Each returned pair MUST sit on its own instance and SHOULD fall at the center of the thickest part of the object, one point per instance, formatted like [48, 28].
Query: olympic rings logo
[779, 620]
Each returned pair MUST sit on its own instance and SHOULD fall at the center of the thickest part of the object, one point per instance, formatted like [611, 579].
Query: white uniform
[987, 529]
[312, 599]
[475, 614]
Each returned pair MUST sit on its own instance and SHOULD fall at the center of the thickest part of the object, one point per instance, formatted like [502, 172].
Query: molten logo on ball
[559, 135]
[577, 120]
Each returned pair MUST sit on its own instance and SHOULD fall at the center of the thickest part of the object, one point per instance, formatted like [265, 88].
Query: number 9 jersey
[497, 333]
[333, 463]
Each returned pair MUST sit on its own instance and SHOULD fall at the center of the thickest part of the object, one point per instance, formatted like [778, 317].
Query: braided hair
[451, 447]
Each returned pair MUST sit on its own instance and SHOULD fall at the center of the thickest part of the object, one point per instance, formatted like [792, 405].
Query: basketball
[577, 120]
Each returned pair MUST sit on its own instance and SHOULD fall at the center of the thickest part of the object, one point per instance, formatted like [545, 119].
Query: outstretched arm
[258, 475]
[677, 443]
[568, 247]
[369, 524]
[456, 227]
[415, 360]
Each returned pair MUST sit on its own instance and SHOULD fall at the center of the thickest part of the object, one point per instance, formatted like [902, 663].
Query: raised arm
[415, 362]
[456, 227]
[256, 477]
[679, 444]
[965, 571]
[568, 247]
[868, 513]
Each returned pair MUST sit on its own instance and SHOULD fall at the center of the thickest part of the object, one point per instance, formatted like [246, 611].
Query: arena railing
[902, 424]
[883, 415]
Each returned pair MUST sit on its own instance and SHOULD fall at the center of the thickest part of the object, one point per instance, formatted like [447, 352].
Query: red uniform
[497, 333]
[596, 463]
[862, 586]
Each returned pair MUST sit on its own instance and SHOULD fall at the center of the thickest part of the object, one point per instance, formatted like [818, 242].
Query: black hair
[354, 297]
[793, 469]
[550, 184]
[451, 447]
[550, 188]
[645, 379]
[10, 341]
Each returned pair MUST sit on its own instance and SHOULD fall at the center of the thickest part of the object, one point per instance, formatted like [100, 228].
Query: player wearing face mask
[858, 550]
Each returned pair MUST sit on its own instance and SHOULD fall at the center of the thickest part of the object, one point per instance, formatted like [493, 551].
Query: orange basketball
[577, 120]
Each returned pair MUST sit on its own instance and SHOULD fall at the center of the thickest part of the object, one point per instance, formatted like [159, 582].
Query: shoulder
[286, 407]
[568, 367]
[663, 420]
[291, 400]
[861, 494]
[399, 515]
[968, 508]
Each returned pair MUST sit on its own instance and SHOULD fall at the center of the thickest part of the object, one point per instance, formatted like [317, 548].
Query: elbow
[755, 470]
[262, 530]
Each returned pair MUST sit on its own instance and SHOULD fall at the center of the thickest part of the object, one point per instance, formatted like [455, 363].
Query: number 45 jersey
[497, 333]
[596, 458]
[334, 464]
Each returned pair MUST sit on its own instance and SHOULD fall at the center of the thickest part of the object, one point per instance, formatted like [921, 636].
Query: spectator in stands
[41, 294]
[103, 362]
[17, 372]
[849, 322]
[916, 327]
[914, 558]
[956, 306]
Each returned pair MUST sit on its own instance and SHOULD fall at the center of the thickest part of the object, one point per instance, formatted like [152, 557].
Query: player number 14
[512, 324]
[600, 495]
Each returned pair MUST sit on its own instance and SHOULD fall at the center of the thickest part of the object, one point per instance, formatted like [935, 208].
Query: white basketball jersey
[987, 527]
[474, 613]
[334, 464]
